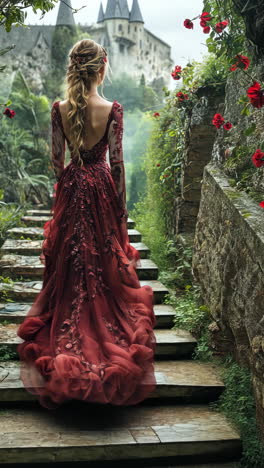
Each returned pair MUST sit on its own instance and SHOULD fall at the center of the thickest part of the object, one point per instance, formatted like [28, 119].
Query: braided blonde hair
[86, 59]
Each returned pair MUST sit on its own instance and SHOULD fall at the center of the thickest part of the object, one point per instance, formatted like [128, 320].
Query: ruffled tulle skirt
[89, 333]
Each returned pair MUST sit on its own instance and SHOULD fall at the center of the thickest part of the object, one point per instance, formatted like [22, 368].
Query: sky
[164, 18]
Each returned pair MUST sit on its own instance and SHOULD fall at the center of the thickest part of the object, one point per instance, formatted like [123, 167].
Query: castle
[131, 47]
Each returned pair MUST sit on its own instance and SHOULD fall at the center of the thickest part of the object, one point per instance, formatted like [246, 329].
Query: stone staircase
[175, 424]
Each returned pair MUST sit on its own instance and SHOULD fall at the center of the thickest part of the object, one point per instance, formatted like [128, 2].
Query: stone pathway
[175, 423]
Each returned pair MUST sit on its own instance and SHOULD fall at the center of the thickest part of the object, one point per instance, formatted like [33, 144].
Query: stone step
[202, 465]
[14, 312]
[177, 343]
[175, 379]
[27, 266]
[38, 212]
[26, 291]
[37, 233]
[94, 432]
[33, 247]
[40, 220]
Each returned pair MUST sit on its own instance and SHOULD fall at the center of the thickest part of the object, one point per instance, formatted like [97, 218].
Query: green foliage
[189, 315]
[233, 42]
[10, 215]
[32, 111]
[238, 165]
[17, 176]
[212, 72]
[238, 403]
[150, 223]
[63, 38]
[138, 127]
[133, 95]
[7, 284]
[7, 354]
[24, 145]
[13, 12]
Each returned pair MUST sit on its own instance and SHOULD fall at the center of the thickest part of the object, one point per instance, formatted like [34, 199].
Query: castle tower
[117, 9]
[100, 18]
[65, 16]
[137, 32]
[116, 19]
[135, 14]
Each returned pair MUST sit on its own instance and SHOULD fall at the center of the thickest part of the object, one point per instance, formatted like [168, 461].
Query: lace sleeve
[115, 141]
[58, 143]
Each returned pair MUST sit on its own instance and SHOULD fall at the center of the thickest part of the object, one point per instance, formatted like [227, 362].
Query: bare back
[96, 118]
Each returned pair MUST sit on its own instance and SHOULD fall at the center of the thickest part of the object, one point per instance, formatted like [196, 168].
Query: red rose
[206, 30]
[178, 69]
[175, 76]
[219, 27]
[156, 114]
[228, 126]
[188, 24]
[176, 72]
[166, 175]
[258, 158]
[158, 165]
[206, 16]
[181, 96]
[255, 95]
[242, 62]
[218, 120]
[261, 204]
[203, 23]
[9, 112]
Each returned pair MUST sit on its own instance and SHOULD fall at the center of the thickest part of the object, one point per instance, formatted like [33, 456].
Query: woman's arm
[115, 141]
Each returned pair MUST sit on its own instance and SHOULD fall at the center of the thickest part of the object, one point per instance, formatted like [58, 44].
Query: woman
[89, 334]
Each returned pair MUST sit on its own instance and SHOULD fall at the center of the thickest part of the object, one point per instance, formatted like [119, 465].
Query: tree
[132, 95]
[12, 11]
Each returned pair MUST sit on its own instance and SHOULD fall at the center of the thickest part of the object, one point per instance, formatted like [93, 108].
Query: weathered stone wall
[200, 137]
[227, 144]
[228, 263]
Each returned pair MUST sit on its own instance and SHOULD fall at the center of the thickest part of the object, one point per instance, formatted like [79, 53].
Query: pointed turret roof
[117, 9]
[65, 16]
[135, 14]
[100, 14]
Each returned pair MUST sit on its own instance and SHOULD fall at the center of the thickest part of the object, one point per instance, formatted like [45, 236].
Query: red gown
[89, 333]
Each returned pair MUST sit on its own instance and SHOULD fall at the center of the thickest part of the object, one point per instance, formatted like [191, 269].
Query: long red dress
[89, 333]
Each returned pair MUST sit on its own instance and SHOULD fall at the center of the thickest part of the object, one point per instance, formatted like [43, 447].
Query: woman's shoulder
[117, 109]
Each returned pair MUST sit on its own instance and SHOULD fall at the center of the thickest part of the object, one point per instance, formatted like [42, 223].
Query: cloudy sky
[163, 18]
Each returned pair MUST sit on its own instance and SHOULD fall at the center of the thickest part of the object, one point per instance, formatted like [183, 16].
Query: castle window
[155, 48]
[135, 28]
[128, 29]
[120, 27]
[121, 48]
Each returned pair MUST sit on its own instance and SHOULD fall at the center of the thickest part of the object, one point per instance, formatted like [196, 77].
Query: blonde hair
[86, 59]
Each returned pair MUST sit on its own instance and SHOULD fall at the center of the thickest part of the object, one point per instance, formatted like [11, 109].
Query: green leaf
[250, 130]
[246, 111]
